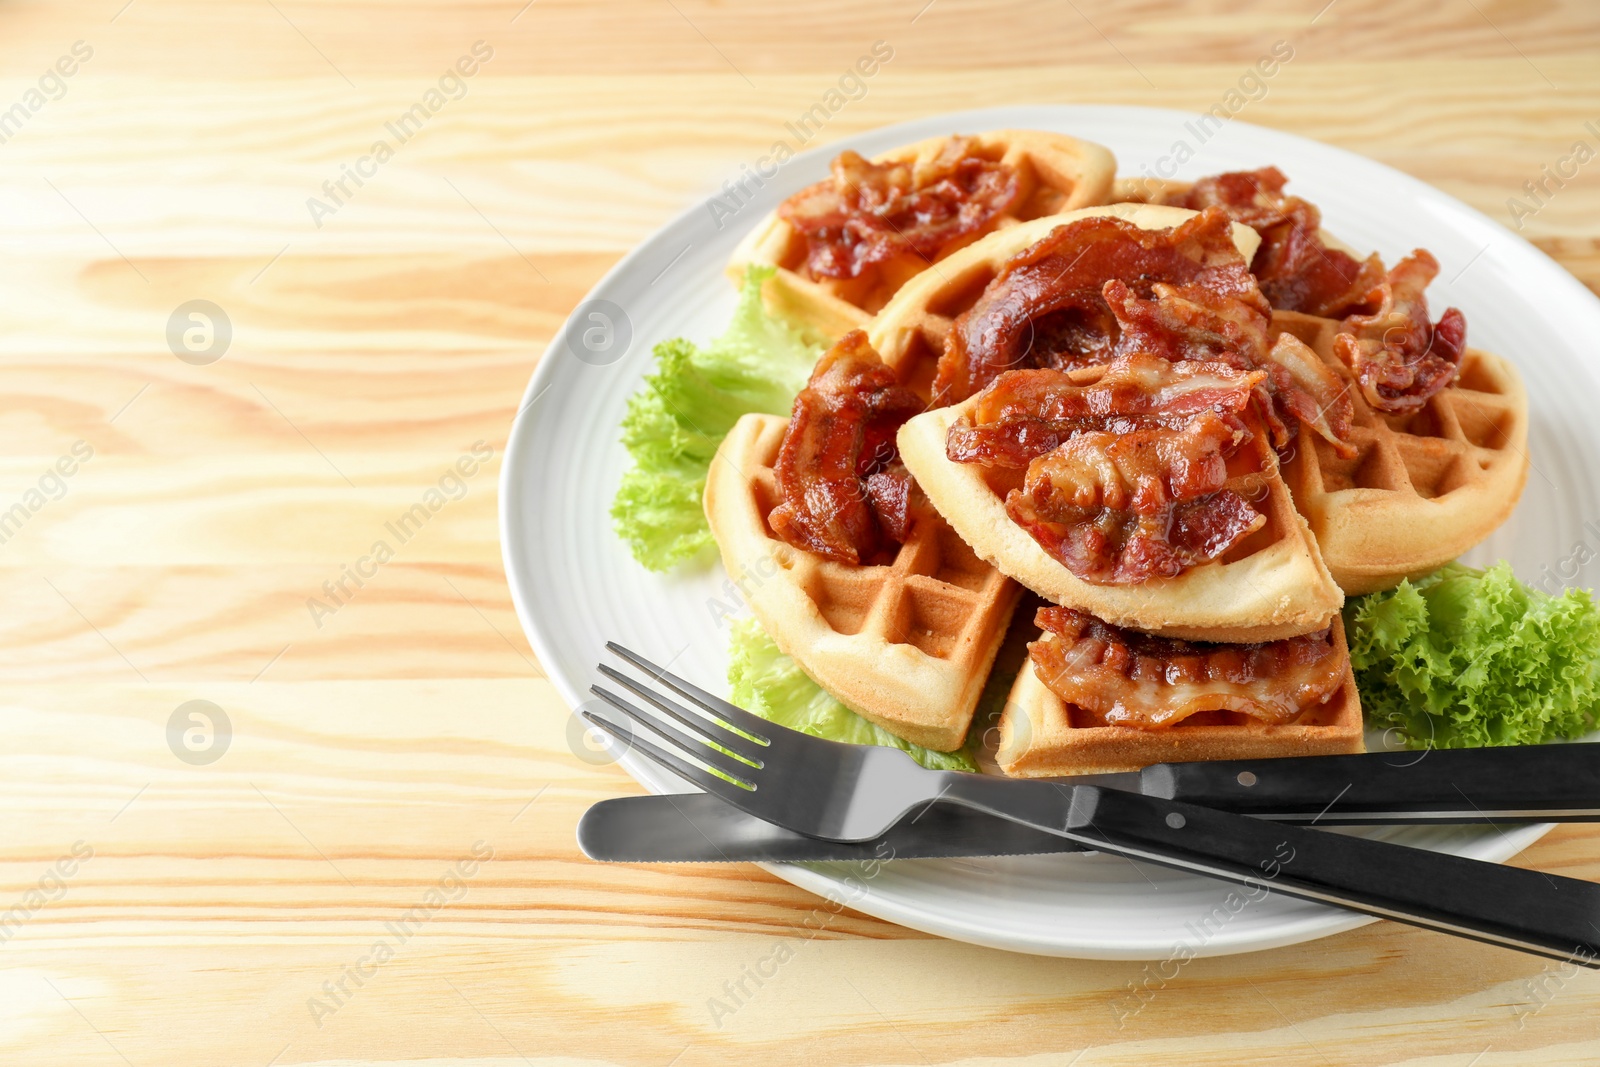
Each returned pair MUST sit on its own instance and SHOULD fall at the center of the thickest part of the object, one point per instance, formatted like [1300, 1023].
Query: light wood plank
[372, 752]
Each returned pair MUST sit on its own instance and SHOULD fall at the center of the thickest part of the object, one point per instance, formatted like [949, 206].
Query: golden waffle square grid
[1422, 487]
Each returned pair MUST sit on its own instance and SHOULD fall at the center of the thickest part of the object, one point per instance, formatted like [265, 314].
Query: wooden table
[171, 911]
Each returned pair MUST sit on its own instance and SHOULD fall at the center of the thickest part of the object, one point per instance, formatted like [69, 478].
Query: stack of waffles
[1274, 585]
[908, 638]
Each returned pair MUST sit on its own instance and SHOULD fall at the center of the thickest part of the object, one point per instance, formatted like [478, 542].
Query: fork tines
[705, 729]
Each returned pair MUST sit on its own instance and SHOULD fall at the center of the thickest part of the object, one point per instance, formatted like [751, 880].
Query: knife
[1543, 783]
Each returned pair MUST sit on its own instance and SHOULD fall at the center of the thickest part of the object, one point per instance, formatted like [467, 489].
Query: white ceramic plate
[575, 586]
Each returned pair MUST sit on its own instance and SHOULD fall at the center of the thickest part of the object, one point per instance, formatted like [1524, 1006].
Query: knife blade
[1554, 783]
[699, 828]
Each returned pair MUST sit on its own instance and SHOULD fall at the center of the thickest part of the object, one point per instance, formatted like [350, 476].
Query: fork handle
[1529, 910]
[1540, 782]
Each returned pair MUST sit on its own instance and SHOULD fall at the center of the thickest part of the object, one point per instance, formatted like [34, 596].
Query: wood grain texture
[376, 750]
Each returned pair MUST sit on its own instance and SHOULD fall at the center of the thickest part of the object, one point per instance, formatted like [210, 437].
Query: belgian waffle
[908, 645]
[1423, 487]
[1058, 173]
[1043, 736]
[1271, 585]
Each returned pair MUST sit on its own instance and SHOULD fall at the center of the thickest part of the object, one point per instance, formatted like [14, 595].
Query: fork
[855, 792]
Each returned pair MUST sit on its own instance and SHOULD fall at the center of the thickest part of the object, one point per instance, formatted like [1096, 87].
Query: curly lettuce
[772, 685]
[1466, 658]
[687, 404]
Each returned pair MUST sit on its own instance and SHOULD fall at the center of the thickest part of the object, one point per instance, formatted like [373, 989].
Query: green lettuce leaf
[687, 404]
[772, 685]
[1466, 658]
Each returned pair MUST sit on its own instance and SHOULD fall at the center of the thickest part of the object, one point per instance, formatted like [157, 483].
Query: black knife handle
[1529, 910]
[1547, 783]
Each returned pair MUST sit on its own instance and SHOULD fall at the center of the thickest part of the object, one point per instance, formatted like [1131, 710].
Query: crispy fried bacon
[1182, 294]
[892, 492]
[1191, 322]
[1047, 307]
[869, 213]
[1309, 390]
[1125, 678]
[1397, 356]
[1127, 477]
[1296, 269]
[1399, 359]
[843, 493]
[1119, 509]
[1027, 413]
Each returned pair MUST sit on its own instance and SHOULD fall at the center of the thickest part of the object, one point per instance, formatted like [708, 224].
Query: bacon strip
[1047, 307]
[1308, 389]
[1296, 269]
[868, 213]
[843, 493]
[1127, 477]
[1399, 359]
[1125, 678]
[1191, 321]
[1040, 312]
[1120, 509]
[1027, 413]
